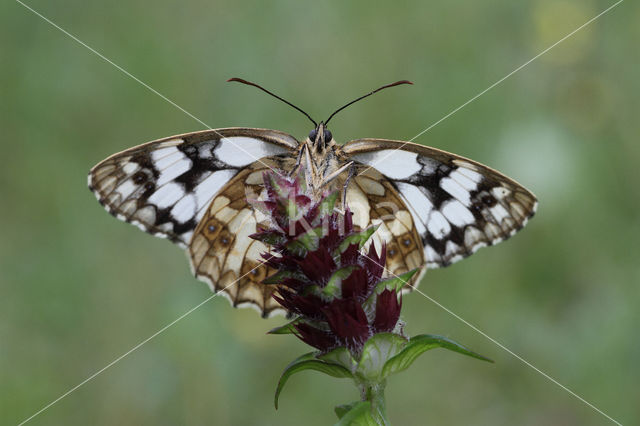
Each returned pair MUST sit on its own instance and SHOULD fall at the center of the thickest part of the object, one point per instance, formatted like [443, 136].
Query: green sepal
[278, 277]
[302, 181]
[306, 242]
[420, 344]
[260, 206]
[340, 356]
[375, 354]
[355, 414]
[271, 238]
[359, 238]
[291, 208]
[328, 204]
[395, 283]
[287, 328]
[309, 362]
[333, 288]
[274, 184]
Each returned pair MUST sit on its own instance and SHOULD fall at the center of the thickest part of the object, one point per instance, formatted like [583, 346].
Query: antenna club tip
[235, 79]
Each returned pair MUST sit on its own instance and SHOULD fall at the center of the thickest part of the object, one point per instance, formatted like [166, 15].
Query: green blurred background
[79, 288]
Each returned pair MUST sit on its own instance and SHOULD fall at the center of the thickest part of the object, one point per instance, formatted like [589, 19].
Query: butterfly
[431, 208]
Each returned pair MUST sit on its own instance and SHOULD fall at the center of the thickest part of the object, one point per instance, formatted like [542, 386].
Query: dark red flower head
[325, 280]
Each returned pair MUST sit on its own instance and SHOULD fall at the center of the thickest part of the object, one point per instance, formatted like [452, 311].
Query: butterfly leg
[352, 172]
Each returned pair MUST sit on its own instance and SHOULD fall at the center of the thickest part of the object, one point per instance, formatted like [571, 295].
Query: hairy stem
[374, 393]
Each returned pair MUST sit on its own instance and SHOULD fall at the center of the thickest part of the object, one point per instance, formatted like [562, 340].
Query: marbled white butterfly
[432, 207]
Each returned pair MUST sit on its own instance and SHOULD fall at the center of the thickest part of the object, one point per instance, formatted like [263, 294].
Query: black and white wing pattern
[165, 186]
[457, 205]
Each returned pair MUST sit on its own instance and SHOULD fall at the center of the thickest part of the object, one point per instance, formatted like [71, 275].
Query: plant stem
[374, 393]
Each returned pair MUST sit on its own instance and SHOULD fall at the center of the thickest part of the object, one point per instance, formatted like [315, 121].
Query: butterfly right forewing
[457, 204]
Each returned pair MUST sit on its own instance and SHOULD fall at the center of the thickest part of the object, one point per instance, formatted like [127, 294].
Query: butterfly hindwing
[457, 205]
[222, 253]
[374, 201]
[164, 186]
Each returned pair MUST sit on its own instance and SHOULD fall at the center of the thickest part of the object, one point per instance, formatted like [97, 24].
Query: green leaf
[420, 344]
[287, 328]
[395, 283]
[309, 362]
[340, 356]
[376, 352]
[359, 238]
[334, 286]
[355, 414]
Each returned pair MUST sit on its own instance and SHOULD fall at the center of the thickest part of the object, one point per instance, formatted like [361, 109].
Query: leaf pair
[384, 354]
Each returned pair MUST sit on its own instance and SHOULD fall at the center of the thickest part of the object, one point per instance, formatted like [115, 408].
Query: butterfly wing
[221, 252]
[192, 189]
[164, 186]
[374, 200]
[456, 205]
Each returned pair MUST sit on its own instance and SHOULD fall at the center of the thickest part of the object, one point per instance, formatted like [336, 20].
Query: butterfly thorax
[319, 159]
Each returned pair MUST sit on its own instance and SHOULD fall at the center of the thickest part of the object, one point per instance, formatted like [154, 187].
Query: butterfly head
[320, 137]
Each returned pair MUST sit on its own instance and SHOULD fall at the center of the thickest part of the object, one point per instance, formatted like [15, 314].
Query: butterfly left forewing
[174, 188]
[164, 186]
[457, 205]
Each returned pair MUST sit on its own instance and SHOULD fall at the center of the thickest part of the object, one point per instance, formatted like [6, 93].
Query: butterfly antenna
[397, 83]
[239, 80]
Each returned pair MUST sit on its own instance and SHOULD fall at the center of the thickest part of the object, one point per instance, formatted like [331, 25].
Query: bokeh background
[79, 288]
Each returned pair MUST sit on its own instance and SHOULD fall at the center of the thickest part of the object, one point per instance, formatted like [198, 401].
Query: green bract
[395, 283]
[306, 242]
[328, 203]
[355, 414]
[288, 328]
[360, 238]
[375, 354]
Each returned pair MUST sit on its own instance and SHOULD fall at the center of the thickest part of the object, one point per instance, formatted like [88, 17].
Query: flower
[333, 289]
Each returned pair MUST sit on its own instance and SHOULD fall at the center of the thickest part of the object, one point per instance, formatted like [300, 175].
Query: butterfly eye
[327, 135]
[312, 135]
